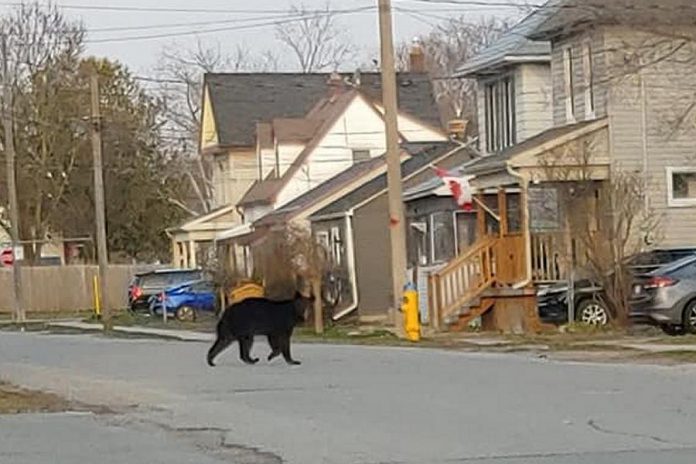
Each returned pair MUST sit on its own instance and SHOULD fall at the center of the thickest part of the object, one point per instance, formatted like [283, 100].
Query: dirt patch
[14, 400]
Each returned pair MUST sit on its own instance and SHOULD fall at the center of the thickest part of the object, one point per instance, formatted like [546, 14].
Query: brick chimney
[416, 58]
[336, 84]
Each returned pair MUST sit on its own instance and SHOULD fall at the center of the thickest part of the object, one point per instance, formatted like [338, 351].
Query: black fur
[260, 316]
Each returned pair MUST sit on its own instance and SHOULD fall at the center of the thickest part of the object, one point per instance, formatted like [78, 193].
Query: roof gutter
[524, 183]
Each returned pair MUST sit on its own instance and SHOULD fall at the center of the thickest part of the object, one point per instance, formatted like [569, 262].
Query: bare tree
[448, 46]
[41, 46]
[316, 40]
[180, 71]
[614, 223]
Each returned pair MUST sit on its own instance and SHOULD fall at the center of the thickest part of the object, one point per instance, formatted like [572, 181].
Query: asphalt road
[344, 405]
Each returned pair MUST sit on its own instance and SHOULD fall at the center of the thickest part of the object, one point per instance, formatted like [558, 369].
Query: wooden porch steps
[467, 315]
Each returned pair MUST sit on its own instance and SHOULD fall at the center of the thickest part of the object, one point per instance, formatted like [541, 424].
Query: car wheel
[593, 312]
[689, 317]
[186, 314]
[673, 330]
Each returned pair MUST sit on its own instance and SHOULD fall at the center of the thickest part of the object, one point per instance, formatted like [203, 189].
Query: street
[344, 405]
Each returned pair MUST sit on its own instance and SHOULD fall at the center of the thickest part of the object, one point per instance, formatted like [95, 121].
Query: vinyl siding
[666, 100]
[533, 100]
[232, 175]
[600, 83]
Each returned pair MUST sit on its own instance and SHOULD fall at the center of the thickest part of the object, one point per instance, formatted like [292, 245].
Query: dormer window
[500, 114]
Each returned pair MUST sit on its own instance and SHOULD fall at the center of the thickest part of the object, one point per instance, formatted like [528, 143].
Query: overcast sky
[232, 26]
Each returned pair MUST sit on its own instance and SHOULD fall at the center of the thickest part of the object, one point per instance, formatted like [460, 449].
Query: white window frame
[588, 75]
[500, 108]
[678, 202]
[569, 80]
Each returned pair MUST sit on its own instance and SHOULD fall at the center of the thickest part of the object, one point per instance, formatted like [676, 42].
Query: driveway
[350, 404]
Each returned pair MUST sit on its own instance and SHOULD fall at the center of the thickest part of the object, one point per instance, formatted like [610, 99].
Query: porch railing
[462, 281]
[553, 254]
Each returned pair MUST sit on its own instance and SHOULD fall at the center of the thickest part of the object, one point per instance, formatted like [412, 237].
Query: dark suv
[147, 284]
[590, 304]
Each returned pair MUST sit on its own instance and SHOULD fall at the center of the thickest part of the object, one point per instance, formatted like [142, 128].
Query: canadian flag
[459, 186]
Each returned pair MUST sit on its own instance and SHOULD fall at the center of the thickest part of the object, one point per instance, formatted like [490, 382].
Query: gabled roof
[422, 156]
[240, 100]
[357, 174]
[567, 17]
[324, 115]
[512, 47]
[498, 162]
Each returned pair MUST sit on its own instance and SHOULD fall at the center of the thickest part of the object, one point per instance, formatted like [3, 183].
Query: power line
[131, 9]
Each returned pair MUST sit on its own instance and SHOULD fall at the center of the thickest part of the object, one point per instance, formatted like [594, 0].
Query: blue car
[186, 301]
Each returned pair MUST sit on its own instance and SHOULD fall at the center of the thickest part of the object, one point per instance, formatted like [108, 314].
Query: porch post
[192, 254]
[526, 228]
[176, 259]
[480, 218]
[502, 211]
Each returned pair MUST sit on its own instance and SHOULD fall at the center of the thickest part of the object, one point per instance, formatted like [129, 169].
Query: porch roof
[543, 142]
[206, 222]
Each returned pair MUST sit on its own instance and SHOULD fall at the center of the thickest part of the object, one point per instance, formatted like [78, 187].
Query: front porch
[523, 240]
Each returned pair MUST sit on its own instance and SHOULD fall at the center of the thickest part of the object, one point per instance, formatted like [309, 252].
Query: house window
[419, 241]
[568, 75]
[443, 236]
[589, 81]
[466, 230]
[681, 187]
[361, 155]
[500, 114]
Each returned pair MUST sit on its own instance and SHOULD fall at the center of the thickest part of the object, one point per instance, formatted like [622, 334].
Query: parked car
[590, 304]
[186, 301]
[146, 284]
[667, 297]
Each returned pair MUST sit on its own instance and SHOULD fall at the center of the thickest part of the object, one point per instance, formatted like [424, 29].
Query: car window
[154, 280]
[183, 277]
[685, 272]
[203, 287]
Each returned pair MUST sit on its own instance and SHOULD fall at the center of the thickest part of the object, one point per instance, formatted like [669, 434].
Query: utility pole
[102, 251]
[397, 227]
[8, 124]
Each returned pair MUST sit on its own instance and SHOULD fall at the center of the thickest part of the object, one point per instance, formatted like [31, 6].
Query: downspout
[524, 183]
[350, 255]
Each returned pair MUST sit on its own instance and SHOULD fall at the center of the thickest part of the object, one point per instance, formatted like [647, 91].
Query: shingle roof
[261, 191]
[499, 160]
[422, 156]
[240, 100]
[566, 17]
[513, 45]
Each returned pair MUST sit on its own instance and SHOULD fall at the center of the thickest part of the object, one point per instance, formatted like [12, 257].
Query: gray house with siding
[356, 228]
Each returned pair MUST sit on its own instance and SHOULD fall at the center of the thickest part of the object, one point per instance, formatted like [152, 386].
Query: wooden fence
[66, 288]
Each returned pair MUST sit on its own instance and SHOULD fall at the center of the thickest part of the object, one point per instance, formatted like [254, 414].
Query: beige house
[618, 107]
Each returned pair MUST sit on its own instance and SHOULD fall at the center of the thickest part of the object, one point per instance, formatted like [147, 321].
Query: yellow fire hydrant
[411, 313]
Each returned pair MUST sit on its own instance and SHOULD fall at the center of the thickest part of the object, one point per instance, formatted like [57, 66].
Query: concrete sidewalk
[182, 335]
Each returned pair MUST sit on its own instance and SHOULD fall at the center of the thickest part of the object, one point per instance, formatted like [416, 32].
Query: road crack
[597, 428]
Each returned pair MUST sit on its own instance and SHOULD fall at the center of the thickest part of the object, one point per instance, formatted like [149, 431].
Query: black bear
[260, 316]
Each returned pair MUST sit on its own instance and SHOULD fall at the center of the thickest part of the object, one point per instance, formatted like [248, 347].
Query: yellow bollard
[411, 313]
[97, 300]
